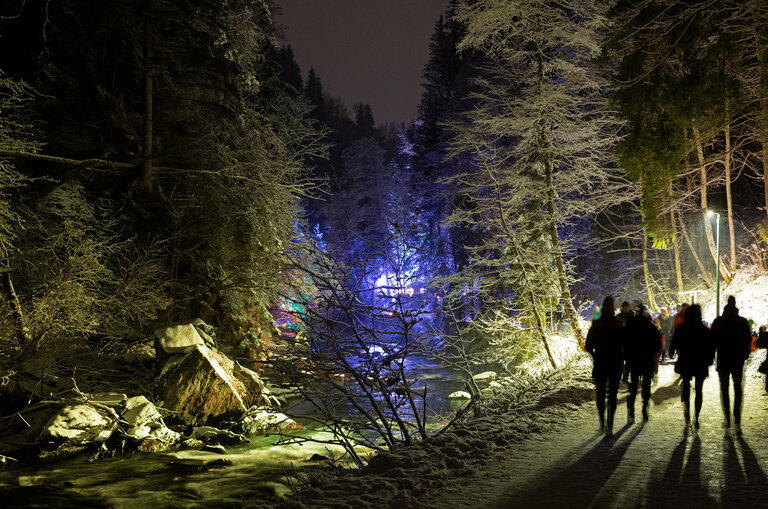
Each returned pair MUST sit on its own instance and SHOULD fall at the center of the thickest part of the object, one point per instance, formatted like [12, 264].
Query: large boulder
[204, 385]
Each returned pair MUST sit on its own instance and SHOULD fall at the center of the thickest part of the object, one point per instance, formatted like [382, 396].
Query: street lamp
[711, 213]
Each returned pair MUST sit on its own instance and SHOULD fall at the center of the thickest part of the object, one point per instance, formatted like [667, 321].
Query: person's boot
[601, 416]
[630, 415]
[687, 413]
[645, 411]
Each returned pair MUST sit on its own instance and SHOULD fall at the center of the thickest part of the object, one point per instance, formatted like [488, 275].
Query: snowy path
[651, 464]
[550, 455]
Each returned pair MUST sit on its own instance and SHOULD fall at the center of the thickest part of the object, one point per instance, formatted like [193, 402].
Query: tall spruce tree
[541, 138]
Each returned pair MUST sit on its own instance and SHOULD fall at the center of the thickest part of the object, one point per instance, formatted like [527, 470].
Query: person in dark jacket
[665, 326]
[695, 354]
[762, 342]
[605, 344]
[732, 339]
[642, 347]
[625, 314]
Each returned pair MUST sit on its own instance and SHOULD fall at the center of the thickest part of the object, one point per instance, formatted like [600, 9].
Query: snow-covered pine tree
[542, 135]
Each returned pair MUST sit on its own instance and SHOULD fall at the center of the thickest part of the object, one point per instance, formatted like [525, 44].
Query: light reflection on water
[439, 380]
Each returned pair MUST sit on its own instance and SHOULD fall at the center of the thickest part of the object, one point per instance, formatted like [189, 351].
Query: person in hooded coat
[695, 354]
[642, 347]
[605, 342]
[732, 337]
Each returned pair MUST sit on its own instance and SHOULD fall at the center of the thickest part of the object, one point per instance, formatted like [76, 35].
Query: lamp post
[711, 213]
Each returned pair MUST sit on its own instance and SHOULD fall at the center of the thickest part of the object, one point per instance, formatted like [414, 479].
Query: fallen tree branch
[104, 165]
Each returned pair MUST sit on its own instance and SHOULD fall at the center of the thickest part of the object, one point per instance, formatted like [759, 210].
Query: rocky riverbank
[201, 399]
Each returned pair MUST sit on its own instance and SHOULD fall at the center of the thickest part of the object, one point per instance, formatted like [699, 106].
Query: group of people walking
[631, 341]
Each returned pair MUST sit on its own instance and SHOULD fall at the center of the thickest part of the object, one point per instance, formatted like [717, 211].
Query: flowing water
[190, 478]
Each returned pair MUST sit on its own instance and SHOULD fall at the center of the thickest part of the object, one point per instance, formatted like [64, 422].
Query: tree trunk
[534, 308]
[663, 294]
[21, 333]
[647, 273]
[542, 332]
[565, 291]
[728, 196]
[761, 49]
[146, 166]
[675, 242]
[704, 206]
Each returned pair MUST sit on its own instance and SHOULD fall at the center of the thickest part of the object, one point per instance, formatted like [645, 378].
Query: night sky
[369, 51]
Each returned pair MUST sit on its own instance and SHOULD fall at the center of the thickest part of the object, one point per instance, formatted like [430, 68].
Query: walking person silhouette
[695, 353]
[642, 344]
[605, 343]
[732, 337]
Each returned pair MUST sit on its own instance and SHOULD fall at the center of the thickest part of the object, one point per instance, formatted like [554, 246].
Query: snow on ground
[750, 287]
[547, 453]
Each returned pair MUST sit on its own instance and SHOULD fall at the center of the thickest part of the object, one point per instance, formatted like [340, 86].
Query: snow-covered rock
[154, 445]
[76, 420]
[139, 411]
[460, 395]
[485, 376]
[192, 443]
[262, 421]
[138, 432]
[178, 339]
[165, 434]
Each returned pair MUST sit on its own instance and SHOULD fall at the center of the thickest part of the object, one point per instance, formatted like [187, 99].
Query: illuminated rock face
[204, 386]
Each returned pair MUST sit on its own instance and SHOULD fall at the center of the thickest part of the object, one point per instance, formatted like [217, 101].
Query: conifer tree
[541, 141]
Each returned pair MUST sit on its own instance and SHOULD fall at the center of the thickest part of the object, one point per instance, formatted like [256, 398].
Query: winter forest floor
[548, 453]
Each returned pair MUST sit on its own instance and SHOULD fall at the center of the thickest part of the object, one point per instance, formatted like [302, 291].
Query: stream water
[188, 478]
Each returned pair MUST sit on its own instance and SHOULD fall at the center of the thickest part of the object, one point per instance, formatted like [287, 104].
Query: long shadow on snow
[681, 485]
[747, 486]
[665, 392]
[578, 484]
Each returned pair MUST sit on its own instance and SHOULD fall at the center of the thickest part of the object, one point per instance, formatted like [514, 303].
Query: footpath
[548, 453]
